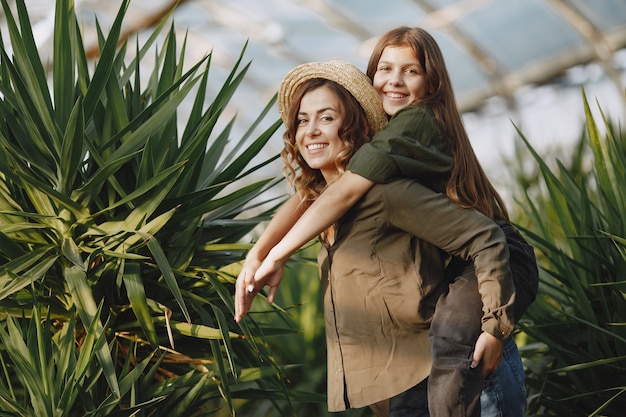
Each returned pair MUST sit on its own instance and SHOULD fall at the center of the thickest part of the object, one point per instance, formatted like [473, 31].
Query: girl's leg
[504, 393]
[453, 387]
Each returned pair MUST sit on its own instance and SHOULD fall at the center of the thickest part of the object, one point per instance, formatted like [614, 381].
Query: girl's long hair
[468, 185]
[309, 183]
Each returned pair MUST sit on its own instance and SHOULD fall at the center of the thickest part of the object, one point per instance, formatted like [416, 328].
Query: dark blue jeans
[504, 391]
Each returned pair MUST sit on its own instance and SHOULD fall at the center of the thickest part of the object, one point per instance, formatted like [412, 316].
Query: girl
[380, 271]
[425, 141]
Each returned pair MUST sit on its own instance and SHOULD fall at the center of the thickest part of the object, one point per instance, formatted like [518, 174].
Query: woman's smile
[316, 146]
[317, 134]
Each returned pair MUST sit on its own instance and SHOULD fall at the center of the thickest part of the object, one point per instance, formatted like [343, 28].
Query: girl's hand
[488, 350]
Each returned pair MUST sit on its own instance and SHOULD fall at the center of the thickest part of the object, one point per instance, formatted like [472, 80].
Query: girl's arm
[471, 235]
[333, 203]
[466, 233]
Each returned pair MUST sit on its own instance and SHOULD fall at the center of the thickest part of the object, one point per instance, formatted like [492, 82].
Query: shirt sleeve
[466, 233]
[411, 145]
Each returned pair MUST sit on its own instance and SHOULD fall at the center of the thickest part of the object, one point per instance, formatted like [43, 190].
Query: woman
[382, 271]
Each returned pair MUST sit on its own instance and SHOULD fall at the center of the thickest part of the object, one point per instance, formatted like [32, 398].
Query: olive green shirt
[382, 278]
[411, 145]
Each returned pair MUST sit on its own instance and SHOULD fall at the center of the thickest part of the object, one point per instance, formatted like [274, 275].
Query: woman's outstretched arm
[283, 220]
[333, 203]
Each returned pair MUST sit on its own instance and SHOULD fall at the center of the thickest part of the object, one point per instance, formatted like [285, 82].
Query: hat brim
[344, 74]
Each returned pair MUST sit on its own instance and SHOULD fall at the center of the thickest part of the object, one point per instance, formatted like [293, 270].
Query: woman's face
[399, 78]
[317, 133]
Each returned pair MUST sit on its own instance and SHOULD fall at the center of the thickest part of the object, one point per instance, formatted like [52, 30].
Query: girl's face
[317, 132]
[399, 78]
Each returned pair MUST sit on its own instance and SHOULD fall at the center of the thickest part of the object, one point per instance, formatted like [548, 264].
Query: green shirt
[411, 145]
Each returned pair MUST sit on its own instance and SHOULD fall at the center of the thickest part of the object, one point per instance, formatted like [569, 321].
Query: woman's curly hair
[309, 183]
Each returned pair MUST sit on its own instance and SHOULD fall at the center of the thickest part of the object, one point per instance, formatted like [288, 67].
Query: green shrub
[118, 229]
[575, 218]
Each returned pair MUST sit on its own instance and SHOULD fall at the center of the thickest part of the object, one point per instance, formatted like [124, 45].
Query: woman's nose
[312, 129]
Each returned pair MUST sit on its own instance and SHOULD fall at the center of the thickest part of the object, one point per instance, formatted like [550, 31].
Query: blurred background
[511, 61]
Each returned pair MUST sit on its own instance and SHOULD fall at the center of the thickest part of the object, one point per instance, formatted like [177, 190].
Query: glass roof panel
[516, 33]
[603, 14]
[444, 3]
[465, 73]
[375, 14]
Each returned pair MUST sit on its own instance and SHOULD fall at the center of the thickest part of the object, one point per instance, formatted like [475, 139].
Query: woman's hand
[488, 350]
[254, 276]
[270, 273]
[285, 218]
[243, 299]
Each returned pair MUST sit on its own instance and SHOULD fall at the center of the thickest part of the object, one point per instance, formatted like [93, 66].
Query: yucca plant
[118, 229]
[576, 351]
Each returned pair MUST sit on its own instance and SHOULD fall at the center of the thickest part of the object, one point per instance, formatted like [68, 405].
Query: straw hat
[344, 74]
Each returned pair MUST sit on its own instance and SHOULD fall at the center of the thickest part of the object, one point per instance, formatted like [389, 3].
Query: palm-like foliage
[116, 228]
[576, 356]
